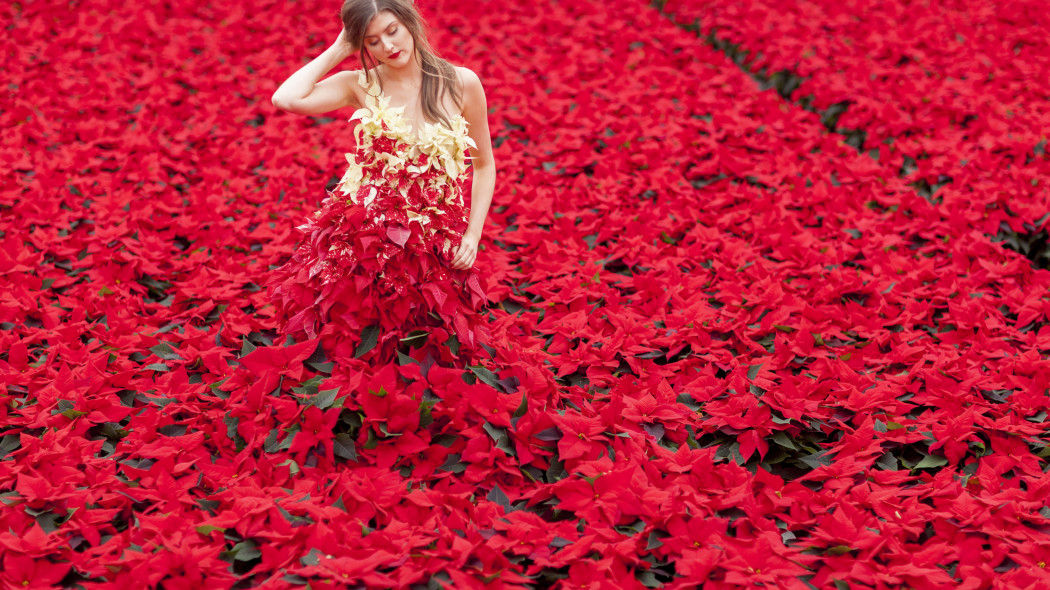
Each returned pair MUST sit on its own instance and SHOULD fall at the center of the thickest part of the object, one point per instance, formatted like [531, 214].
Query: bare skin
[391, 44]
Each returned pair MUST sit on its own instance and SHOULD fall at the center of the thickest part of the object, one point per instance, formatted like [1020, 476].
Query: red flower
[23, 571]
[282, 360]
[581, 438]
[315, 428]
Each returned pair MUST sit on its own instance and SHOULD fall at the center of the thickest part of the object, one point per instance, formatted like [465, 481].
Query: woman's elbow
[485, 166]
[282, 102]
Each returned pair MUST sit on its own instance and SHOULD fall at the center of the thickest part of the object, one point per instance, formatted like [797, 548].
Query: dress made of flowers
[374, 261]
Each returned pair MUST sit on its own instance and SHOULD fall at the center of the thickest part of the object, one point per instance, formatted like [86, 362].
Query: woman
[388, 257]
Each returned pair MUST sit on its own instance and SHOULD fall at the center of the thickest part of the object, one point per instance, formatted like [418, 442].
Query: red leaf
[281, 360]
[398, 234]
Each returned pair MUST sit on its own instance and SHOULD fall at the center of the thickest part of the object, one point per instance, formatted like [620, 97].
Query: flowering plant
[731, 350]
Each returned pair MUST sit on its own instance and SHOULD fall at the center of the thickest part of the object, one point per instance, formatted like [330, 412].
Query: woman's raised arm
[302, 94]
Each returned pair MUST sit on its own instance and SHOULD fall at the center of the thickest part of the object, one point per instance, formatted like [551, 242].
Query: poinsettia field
[768, 296]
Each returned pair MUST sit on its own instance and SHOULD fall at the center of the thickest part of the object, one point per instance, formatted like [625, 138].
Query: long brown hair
[439, 75]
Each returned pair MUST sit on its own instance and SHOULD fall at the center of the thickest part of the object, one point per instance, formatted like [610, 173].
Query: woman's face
[388, 40]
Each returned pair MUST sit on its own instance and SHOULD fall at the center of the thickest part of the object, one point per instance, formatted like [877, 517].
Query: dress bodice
[388, 152]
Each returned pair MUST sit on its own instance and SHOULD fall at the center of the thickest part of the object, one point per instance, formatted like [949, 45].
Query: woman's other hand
[467, 252]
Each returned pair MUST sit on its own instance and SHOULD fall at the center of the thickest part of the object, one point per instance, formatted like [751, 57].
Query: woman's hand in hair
[341, 46]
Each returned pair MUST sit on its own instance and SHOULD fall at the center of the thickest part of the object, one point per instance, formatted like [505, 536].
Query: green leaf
[485, 375]
[157, 401]
[556, 470]
[929, 461]
[314, 556]
[560, 542]
[9, 443]
[453, 344]
[523, 407]
[416, 338]
[48, 521]
[453, 464]
[499, 436]
[293, 466]
[310, 386]
[325, 367]
[648, 579]
[339, 504]
[688, 401]
[631, 529]
[888, 462]
[286, 443]
[270, 444]
[817, 459]
[373, 441]
[426, 418]
[549, 434]
[294, 519]
[781, 438]
[172, 430]
[164, 351]
[382, 428]
[217, 390]
[324, 399]
[245, 551]
[446, 440]
[655, 540]
[343, 446]
[498, 496]
[369, 338]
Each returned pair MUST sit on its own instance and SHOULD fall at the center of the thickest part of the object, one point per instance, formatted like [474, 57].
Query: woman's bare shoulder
[467, 77]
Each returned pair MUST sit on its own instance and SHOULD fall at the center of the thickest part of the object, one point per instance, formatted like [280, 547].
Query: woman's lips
[395, 55]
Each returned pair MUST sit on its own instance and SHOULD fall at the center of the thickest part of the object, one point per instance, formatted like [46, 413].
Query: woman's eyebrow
[384, 28]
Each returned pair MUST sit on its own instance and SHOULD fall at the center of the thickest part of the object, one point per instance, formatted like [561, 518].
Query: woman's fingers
[341, 39]
[464, 257]
[457, 257]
